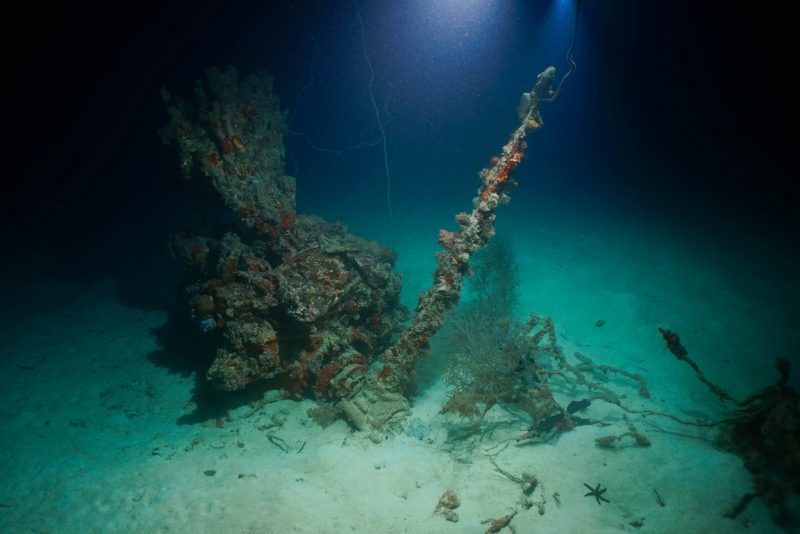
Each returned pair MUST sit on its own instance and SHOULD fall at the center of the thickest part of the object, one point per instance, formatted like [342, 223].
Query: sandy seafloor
[100, 436]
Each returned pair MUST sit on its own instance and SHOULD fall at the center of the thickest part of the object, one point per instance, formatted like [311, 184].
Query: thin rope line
[570, 59]
[311, 81]
[378, 120]
[310, 68]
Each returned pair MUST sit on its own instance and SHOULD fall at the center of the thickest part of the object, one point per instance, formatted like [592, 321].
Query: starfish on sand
[597, 493]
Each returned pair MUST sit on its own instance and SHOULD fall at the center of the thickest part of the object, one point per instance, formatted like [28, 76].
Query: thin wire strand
[311, 78]
[311, 81]
[570, 59]
[379, 122]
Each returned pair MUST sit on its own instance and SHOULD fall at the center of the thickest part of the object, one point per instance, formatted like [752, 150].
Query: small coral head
[446, 239]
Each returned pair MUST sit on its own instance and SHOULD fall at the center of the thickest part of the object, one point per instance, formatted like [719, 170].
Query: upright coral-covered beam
[383, 395]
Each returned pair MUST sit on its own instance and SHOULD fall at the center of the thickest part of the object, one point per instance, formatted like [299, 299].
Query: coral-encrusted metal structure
[383, 395]
[296, 300]
[285, 297]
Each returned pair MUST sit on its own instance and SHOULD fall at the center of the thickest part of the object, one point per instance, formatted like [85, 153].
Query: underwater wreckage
[314, 311]
[290, 298]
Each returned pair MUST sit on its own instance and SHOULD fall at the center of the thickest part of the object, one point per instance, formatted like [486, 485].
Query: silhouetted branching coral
[486, 354]
[497, 359]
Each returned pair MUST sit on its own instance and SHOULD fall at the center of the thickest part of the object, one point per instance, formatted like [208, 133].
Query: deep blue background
[677, 111]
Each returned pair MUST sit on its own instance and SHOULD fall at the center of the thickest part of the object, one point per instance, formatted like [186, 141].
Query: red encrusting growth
[375, 318]
[227, 146]
[325, 376]
[287, 218]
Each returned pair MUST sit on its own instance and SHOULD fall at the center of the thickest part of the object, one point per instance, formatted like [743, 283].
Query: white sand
[96, 438]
